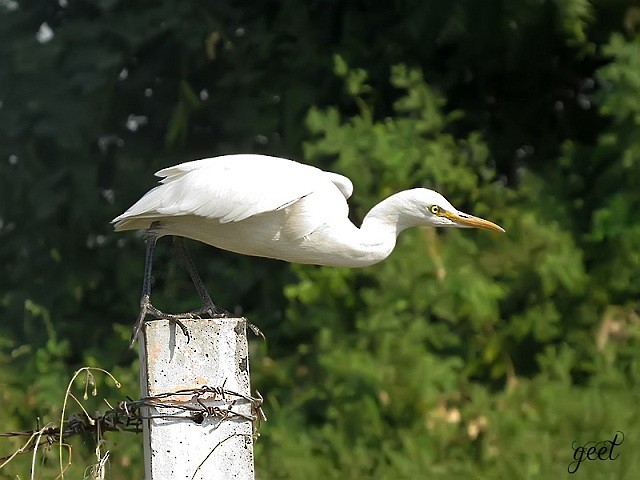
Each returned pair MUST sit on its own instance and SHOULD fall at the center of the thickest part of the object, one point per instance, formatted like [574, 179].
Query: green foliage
[619, 81]
[465, 354]
[431, 330]
[34, 381]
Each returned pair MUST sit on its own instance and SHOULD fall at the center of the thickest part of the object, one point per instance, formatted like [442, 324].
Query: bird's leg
[208, 307]
[145, 302]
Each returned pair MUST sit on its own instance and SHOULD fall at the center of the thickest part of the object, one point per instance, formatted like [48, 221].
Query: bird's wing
[231, 188]
[326, 206]
[343, 183]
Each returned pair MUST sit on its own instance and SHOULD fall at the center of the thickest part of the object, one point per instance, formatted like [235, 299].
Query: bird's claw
[211, 311]
[256, 331]
[147, 309]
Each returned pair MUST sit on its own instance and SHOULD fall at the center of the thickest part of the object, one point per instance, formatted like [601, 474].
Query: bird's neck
[382, 225]
[391, 216]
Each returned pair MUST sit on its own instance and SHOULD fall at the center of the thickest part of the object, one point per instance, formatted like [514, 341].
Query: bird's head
[433, 209]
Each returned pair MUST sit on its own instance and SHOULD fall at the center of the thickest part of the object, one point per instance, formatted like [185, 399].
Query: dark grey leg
[208, 307]
[145, 303]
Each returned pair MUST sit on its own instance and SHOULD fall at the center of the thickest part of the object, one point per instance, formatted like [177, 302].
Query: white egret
[275, 208]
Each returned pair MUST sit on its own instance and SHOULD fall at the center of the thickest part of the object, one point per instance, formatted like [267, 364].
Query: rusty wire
[128, 415]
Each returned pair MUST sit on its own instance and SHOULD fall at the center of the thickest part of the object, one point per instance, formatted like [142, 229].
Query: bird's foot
[211, 311]
[256, 331]
[147, 309]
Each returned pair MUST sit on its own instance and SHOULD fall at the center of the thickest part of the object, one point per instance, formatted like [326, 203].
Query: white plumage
[277, 208]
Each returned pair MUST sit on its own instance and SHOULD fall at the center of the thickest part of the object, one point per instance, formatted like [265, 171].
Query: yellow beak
[466, 220]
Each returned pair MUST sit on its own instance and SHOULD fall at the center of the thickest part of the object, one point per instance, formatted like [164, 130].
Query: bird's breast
[271, 235]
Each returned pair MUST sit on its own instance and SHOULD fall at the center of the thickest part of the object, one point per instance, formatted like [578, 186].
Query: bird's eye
[435, 209]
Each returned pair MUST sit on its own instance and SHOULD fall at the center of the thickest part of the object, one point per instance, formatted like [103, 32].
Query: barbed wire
[196, 404]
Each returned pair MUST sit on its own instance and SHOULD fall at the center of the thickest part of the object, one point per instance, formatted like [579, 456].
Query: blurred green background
[465, 354]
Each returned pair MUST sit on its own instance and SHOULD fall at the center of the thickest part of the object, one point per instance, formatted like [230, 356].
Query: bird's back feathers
[231, 188]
